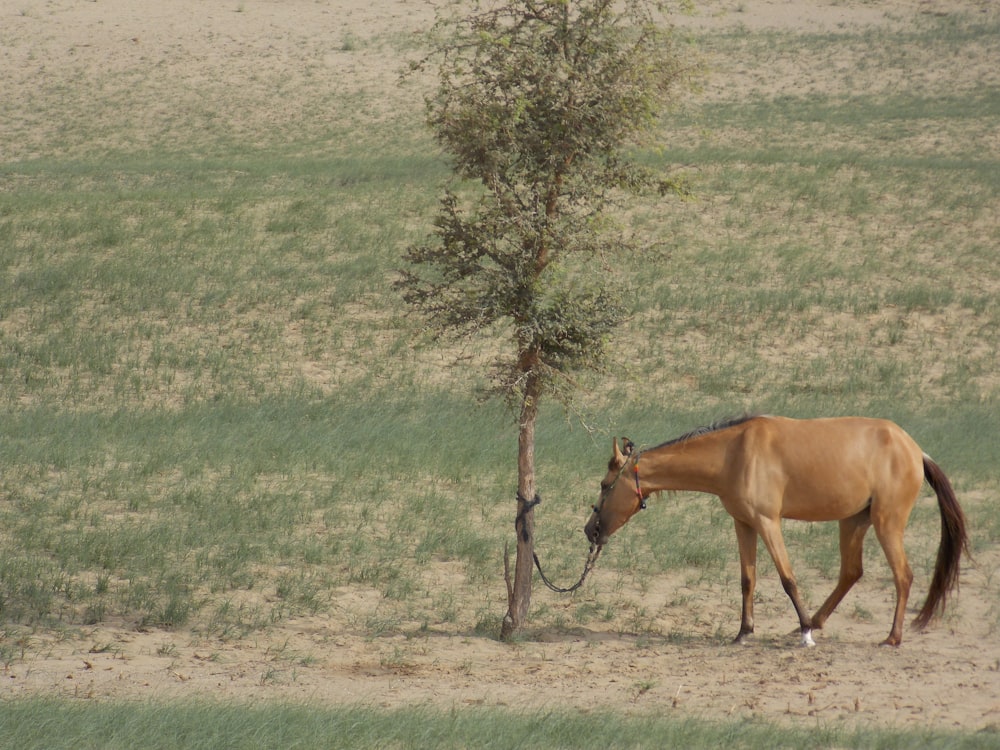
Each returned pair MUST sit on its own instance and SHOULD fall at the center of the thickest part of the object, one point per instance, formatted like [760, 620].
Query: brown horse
[860, 472]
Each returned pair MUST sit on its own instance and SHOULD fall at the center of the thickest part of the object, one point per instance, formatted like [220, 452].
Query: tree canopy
[536, 101]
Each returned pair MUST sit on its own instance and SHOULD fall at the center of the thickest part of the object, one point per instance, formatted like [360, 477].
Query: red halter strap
[638, 492]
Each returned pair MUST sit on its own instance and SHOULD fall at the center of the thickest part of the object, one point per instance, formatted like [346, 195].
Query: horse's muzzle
[593, 530]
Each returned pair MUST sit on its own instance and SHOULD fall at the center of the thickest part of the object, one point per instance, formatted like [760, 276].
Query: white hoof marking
[807, 639]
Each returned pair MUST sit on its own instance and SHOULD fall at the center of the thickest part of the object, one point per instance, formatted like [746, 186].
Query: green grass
[184, 505]
[215, 411]
[53, 724]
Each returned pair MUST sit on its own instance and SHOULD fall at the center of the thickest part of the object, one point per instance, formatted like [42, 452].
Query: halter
[638, 492]
[635, 468]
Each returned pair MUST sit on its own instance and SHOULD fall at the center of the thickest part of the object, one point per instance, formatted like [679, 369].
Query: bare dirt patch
[947, 677]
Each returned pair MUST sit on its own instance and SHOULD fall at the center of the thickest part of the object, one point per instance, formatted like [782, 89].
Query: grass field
[212, 726]
[215, 412]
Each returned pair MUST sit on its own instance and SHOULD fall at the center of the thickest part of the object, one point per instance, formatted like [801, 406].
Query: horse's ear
[616, 455]
[627, 446]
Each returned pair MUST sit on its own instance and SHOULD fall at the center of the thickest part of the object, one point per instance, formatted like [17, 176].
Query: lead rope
[595, 552]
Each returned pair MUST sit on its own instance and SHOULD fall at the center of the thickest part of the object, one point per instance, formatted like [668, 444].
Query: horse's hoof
[807, 639]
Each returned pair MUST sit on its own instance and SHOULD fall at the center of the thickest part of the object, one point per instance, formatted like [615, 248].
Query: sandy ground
[947, 677]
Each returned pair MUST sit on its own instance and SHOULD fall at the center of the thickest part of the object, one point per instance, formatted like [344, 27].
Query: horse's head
[620, 495]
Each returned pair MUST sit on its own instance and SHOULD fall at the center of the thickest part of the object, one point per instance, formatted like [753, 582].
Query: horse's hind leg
[890, 535]
[852, 538]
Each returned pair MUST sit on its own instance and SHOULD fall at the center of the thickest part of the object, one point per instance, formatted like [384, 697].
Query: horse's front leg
[746, 538]
[770, 532]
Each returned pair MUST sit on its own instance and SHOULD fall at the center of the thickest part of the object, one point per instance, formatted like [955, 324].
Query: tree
[536, 104]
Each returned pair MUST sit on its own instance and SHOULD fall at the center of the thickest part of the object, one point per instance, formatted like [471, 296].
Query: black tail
[954, 541]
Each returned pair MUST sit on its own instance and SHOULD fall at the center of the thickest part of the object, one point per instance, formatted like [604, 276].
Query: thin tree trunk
[519, 595]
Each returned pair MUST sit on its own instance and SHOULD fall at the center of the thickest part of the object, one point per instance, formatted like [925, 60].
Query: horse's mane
[719, 424]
